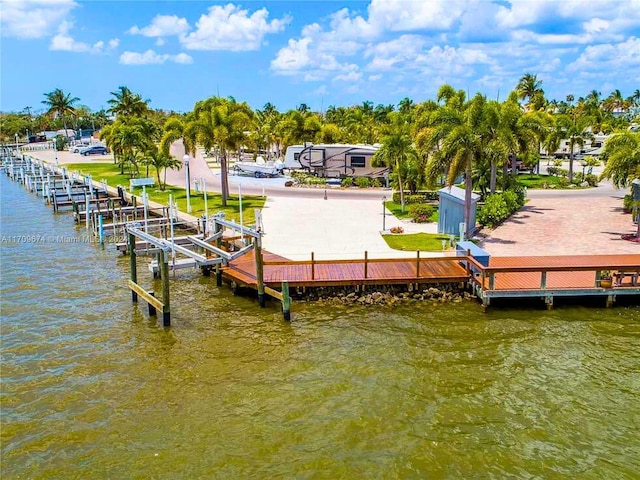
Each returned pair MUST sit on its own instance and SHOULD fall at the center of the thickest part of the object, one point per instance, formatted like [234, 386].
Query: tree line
[422, 143]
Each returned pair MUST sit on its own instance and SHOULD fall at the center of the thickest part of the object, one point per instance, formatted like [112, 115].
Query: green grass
[396, 209]
[539, 181]
[111, 173]
[425, 242]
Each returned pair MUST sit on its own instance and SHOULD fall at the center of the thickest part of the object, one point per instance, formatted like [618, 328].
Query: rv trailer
[335, 160]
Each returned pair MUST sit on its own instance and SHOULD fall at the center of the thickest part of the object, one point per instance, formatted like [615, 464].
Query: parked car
[76, 148]
[94, 150]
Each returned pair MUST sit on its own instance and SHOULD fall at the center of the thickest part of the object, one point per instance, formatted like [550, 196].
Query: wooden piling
[132, 265]
[286, 301]
[259, 269]
[164, 275]
[152, 309]
[217, 230]
[418, 264]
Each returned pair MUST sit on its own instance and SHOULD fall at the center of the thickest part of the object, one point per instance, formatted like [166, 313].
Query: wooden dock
[547, 277]
[365, 271]
[503, 277]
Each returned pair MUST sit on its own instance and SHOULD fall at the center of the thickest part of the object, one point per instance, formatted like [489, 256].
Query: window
[358, 161]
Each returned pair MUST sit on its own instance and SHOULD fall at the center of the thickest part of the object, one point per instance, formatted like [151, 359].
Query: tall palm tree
[529, 87]
[128, 104]
[396, 151]
[60, 104]
[622, 151]
[223, 122]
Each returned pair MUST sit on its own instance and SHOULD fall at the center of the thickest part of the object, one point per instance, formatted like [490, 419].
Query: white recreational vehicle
[335, 160]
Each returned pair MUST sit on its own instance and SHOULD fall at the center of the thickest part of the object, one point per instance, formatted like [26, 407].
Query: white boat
[260, 168]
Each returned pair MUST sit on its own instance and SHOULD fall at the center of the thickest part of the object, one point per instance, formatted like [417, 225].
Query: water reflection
[92, 387]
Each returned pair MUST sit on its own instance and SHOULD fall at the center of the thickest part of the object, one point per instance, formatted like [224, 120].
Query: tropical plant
[622, 153]
[128, 104]
[60, 104]
[529, 87]
[396, 151]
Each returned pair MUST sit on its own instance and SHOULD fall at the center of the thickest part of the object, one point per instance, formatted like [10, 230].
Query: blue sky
[322, 53]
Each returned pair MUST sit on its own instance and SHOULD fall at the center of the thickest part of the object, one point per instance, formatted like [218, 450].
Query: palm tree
[396, 151]
[60, 104]
[155, 157]
[529, 87]
[128, 104]
[222, 122]
[622, 153]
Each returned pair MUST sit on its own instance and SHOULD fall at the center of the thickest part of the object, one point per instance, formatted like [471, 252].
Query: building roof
[457, 193]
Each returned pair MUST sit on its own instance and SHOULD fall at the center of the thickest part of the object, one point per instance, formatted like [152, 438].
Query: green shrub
[557, 163]
[521, 193]
[627, 202]
[591, 179]
[419, 197]
[493, 211]
[511, 200]
[420, 212]
[410, 199]
[363, 182]
[558, 172]
[563, 182]
[376, 183]
[347, 182]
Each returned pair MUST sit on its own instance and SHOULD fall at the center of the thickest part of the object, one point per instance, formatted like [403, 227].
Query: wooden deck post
[366, 263]
[132, 265]
[313, 267]
[610, 300]
[543, 280]
[418, 264]
[152, 309]
[163, 263]
[217, 229]
[100, 230]
[286, 301]
[259, 269]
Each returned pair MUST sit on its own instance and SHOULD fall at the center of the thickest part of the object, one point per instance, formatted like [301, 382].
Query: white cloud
[231, 28]
[150, 58]
[33, 18]
[620, 57]
[387, 54]
[348, 77]
[162, 26]
[596, 25]
[411, 15]
[63, 41]
[292, 58]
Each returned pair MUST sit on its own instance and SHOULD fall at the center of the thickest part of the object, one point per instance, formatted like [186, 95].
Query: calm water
[93, 388]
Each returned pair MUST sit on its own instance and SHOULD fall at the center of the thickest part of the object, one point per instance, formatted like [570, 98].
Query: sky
[321, 53]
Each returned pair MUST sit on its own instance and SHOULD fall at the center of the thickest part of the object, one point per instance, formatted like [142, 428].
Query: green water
[94, 388]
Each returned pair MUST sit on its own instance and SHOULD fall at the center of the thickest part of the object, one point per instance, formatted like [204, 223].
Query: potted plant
[606, 279]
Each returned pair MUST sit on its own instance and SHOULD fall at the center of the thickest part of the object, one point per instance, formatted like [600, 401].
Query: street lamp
[186, 159]
[584, 164]
[384, 215]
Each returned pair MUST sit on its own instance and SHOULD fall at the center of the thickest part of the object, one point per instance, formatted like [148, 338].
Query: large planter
[606, 282]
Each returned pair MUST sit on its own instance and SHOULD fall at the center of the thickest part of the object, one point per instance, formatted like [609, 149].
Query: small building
[451, 210]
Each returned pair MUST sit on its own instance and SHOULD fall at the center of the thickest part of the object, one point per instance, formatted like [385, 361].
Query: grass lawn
[396, 209]
[111, 173]
[539, 181]
[425, 242]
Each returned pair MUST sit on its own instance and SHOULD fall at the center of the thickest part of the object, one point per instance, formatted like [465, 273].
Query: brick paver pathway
[564, 226]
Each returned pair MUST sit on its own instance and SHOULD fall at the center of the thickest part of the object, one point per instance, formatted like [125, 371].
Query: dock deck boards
[345, 272]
